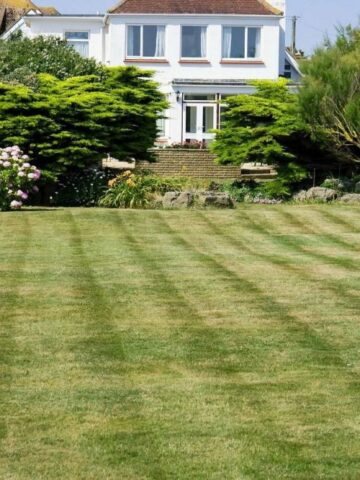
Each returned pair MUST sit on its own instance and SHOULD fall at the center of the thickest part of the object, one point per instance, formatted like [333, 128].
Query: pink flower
[21, 174]
[26, 165]
[22, 195]
[6, 164]
[16, 204]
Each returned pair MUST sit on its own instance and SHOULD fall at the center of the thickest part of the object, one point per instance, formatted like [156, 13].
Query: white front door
[199, 120]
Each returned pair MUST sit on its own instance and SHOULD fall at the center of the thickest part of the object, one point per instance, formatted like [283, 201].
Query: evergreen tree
[330, 96]
[75, 122]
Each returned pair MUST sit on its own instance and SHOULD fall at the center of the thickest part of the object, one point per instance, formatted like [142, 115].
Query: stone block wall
[188, 163]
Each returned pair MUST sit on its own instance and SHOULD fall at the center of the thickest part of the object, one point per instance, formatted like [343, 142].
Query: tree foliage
[23, 58]
[330, 96]
[260, 127]
[266, 127]
[76, 121]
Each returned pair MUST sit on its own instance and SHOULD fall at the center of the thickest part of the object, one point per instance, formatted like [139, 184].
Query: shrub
[133, 190]
[17, 178]
[238, 190]
[23, 58]
[81, 188]
[74, 123]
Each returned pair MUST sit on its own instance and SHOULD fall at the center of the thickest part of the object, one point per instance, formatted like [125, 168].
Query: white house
[201, 51]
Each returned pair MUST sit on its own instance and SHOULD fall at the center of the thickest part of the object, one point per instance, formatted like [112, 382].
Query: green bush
[73, 123]
[138, 190]
[23, 58]
[81, 188]
[238, 190]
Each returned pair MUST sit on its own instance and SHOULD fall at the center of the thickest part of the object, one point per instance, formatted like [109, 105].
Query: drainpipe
[103, 37]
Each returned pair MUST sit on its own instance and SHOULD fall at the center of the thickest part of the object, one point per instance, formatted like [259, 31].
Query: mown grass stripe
[334, 219]
[282, 261]
[309, 226]
[291, 243]
[10, 301]
[104, 342]
[264, 302]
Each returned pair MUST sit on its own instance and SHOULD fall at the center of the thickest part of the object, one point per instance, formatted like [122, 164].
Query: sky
[317, 17]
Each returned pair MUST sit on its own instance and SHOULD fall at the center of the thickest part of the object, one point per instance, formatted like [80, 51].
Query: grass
[180, 345]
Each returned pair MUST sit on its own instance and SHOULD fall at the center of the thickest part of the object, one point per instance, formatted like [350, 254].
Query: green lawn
[180, 345]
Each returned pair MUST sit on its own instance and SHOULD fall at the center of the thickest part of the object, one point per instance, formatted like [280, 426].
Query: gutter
[190, 15]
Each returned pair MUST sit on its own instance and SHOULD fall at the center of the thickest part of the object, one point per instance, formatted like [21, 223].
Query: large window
[79, 41]
[146, 41]
[241, 42]
[193, 42]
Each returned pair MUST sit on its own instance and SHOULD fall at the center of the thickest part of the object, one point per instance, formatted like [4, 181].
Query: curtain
[81, 47]
[203, 42]
[227, 40]
[254, 41]
[257, 43]
[130, 41]
[160, 42]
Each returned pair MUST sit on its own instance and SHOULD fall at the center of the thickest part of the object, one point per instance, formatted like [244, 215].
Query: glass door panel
[199, 120]
[191, 119]
[208, 119]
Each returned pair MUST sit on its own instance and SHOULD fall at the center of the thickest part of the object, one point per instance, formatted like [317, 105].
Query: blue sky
[318, 17]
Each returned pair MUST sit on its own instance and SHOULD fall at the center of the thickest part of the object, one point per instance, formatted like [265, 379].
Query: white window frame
[206, 43]
[142, 25]
[78, 40]
[245, 57]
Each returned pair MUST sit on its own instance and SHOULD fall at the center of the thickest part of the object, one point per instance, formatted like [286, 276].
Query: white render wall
[270, 39]
[57, 26]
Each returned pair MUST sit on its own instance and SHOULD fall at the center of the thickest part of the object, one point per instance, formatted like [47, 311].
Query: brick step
[259, 176]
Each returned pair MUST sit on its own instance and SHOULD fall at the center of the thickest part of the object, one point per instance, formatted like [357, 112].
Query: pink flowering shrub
[17, 178]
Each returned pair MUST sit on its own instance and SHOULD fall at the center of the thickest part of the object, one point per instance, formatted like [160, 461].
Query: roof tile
[217, 7]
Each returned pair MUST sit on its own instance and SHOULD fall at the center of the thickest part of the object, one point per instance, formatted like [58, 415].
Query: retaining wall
[188, 163]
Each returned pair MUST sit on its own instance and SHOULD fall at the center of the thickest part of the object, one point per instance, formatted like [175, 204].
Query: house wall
[214, 70]
[57, 26]
[270, 39]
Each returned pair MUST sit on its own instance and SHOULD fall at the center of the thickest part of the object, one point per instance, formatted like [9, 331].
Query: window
[193, 42]
[241, 42]
[79, 41]
[146, 41]
[160, 126]
[200, 97]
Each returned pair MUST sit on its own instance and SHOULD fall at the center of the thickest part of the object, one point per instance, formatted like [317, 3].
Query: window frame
[246, 44]
[142, 25]
[206, 43]
[78, 40]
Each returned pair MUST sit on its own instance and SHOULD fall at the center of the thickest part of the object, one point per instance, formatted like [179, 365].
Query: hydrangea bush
[17, 178]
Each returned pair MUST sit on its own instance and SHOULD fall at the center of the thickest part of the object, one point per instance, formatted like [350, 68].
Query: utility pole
[294, 20]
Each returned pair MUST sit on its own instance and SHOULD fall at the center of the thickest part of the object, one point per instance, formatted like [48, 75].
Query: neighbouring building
[13, 11]
[201, 51]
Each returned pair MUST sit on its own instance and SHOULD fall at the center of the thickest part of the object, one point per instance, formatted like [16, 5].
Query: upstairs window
[79, 41]
[193, 42]
[241, 42]
[146, 41]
